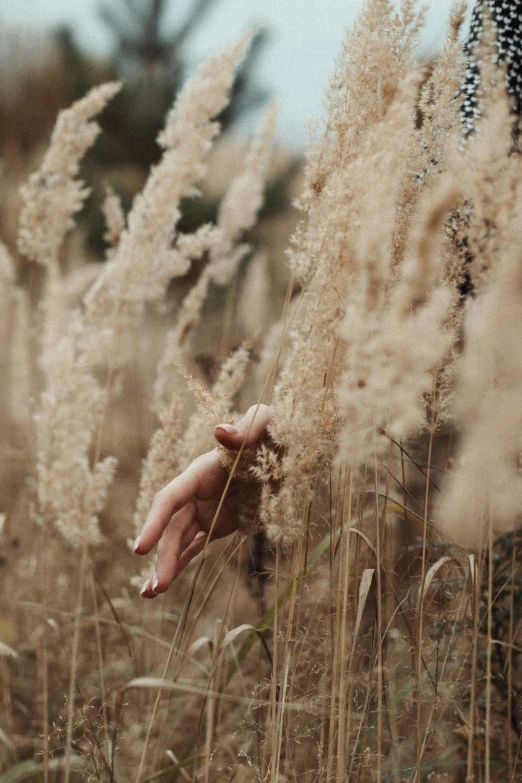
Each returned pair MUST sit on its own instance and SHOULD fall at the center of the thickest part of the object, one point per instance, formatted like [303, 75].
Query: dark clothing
[507, 16]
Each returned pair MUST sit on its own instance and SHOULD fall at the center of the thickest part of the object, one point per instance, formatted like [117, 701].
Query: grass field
[364, 623]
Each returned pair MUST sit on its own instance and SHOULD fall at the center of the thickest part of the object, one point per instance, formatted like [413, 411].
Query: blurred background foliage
[39, 77]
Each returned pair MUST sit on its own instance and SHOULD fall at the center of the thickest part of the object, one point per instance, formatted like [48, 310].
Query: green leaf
[29, 768]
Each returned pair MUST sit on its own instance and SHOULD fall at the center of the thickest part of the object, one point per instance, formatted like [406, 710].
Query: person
[507, 17]
[182, 514]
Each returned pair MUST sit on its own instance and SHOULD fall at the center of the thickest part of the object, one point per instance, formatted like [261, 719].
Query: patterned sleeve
[507, 15]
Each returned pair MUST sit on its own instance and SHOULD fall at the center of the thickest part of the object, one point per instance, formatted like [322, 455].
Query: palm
[209, 497]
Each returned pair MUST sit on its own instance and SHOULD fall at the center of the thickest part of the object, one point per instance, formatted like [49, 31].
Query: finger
[146, 590]
[178, 536]
[248, 429]
[168, 502]
[190, 552]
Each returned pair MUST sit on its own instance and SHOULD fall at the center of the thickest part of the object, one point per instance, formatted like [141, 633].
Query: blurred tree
[151, 62]
[150, 58]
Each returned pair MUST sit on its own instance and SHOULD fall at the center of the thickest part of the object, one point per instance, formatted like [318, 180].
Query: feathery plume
[145, 260]
[70, 493]
[347, 250]
[486, 485]
[213, 406]
[376, 55]
[244, 198]
[237, 215]
[54, 194]
[438, 106]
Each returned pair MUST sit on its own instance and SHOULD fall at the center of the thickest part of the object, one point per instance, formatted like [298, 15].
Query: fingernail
[137, 544]
[155, 584]
[143, 589]
[228, 428]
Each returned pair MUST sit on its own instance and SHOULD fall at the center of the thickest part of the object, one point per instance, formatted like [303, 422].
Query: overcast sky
[295, 64]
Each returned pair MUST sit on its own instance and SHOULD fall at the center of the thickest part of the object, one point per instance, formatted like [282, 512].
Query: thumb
[249, 429]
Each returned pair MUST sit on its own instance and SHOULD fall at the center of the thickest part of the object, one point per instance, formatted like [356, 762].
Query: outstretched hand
[182, 513]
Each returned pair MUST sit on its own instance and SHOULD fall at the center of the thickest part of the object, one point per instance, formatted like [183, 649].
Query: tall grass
[385, 643]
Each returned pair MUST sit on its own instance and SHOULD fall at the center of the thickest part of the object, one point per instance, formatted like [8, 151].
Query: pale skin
[182, 513]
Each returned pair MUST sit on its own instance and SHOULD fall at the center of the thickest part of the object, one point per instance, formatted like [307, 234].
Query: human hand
[182, 513]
